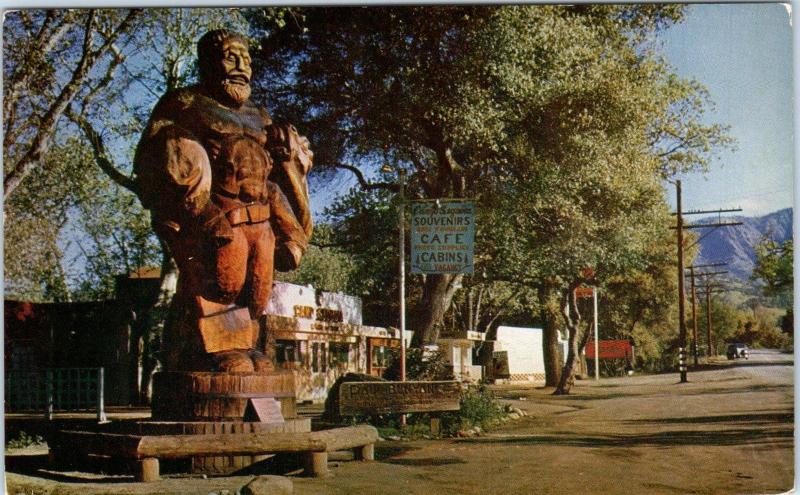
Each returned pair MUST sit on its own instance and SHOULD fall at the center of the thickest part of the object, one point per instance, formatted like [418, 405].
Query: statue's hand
[287, 145]
[281, 154]
[288, 256]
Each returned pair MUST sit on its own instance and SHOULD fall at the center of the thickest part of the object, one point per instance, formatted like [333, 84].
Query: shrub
[479, 407]
[420, 365]
[24, 440]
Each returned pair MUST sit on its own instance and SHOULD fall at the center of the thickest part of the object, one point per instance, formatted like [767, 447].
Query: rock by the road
[269, 485]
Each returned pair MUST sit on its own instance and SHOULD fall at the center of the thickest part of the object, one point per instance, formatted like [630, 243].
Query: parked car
[736, 351]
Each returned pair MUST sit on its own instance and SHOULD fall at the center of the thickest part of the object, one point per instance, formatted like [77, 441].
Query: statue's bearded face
[234, 71]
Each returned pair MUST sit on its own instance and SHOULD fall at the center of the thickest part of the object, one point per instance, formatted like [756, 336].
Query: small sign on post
[263, 410]
[442, 236]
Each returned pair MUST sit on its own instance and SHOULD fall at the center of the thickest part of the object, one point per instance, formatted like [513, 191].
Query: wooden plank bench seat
[148, 449]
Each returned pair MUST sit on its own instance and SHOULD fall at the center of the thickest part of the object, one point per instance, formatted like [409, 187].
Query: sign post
[596, 338]
[583, 292]
[402, 247]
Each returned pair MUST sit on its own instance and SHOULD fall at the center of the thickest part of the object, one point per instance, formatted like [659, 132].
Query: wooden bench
[382, 397]
[146, 450]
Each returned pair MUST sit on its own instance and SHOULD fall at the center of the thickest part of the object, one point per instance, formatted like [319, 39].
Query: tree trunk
[550, 347]
[568, 374]
[133, 366]
[577, 339]
[158, 321]
[437, 295]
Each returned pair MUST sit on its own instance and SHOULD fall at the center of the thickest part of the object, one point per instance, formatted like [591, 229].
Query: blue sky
[743, 54]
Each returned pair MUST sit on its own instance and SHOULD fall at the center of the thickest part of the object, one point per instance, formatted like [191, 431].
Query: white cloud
[756, 207]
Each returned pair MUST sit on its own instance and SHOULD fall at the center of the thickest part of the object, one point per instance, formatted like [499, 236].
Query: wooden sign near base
[263, 410]
[368, 398]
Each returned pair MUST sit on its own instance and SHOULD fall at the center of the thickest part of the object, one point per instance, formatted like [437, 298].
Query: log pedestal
[217, 396]
[216, 402]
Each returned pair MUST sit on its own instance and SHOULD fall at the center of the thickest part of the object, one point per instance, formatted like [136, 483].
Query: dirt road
[728, 431]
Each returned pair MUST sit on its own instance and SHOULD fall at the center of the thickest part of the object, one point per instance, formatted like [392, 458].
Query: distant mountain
[735, 245]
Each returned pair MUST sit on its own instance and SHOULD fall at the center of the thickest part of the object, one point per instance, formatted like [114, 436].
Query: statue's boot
[236, 360]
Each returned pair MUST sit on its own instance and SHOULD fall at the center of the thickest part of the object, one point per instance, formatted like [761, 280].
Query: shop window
[340, 354]
[288, 353]
[476, 355]
[381, 356]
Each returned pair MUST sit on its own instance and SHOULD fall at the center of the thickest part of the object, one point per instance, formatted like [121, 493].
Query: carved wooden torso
[211, 122]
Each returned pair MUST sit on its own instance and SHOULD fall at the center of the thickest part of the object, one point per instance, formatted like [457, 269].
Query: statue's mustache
[237, 78]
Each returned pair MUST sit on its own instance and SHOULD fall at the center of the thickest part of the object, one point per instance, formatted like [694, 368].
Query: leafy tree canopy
[774, 266]
[560, 121]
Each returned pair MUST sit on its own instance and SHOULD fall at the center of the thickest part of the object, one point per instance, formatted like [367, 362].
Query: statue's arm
[174, 172]
[293, 159]
[290, 238]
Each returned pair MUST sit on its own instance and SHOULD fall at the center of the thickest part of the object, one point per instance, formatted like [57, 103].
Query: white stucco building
[522, 347]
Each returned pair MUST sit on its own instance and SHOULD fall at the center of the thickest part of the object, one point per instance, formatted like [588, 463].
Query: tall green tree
[470, 98]
[774, 267]
[774, 263]
[326, 265]
[51, 57]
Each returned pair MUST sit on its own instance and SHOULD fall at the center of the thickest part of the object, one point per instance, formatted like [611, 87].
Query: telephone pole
[681, 271]
[693, 275]
[710, 289]
[681, 292]
[708, 320]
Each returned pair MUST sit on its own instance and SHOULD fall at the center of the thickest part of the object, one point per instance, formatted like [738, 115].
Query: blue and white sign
[442, 236]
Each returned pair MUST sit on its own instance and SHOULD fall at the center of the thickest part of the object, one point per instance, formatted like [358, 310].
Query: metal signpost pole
[402, 176]
[401, 173]
[596, 337]
[694, 317]
[711, 351]
[101, 411]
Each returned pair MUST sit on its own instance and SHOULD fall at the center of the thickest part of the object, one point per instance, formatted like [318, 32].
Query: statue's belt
[255, 213]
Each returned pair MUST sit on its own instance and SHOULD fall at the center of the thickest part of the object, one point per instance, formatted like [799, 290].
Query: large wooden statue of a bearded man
[228, 195]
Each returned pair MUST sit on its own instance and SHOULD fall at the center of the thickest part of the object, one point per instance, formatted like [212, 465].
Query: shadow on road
[585, 394]
[37, 465]
[427, 461]
[753, 419]
[383, 451]
[739, 390]
[741, 364]
[775, 436]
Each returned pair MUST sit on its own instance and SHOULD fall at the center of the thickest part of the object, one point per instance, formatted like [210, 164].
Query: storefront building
[320, 335]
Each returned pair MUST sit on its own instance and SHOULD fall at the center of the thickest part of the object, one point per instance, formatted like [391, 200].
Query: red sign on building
[611, 349]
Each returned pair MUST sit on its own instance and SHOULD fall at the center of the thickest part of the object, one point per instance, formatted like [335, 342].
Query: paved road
[728, 431]
[767, 357]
